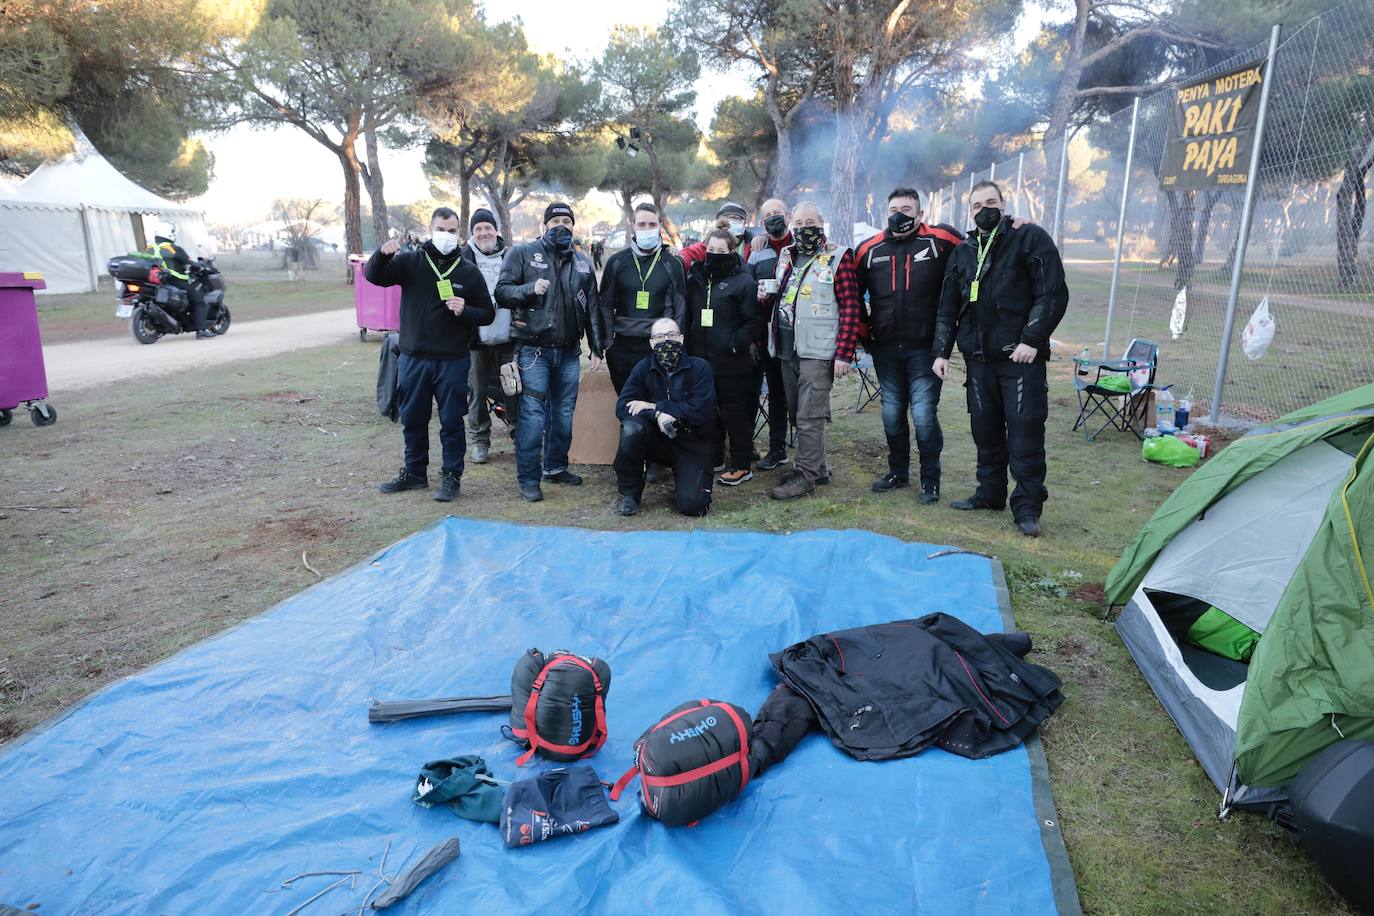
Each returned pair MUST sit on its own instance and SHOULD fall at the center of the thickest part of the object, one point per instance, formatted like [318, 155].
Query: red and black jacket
[902, 279]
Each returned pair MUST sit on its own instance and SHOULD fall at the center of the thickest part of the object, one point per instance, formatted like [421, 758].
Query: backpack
[692, 762]
[558, 705]
[388, 403]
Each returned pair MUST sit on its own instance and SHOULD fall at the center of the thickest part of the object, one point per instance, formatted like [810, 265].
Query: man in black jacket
[1004, 294]
[443, 302]
[667, 415]
[177, 266]
[641, 284]
[902, 270]
[551, 292]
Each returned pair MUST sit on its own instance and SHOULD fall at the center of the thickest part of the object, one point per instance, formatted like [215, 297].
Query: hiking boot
[771, 460]
[448, 489]
[1030, 527]
[564, 477]
[531, 493]
[626, 505]
[793, 486]
[481, 453]
[736, 477]
[930, 493]
[974, 502]
[405, 481]
[205, 335]
[889, 482]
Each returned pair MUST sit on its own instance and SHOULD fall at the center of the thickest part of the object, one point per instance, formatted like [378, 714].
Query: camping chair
[1126, 410]
[762, 422]
[869, 390]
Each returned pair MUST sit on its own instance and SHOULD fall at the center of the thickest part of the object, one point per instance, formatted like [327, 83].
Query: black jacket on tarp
[894, 689]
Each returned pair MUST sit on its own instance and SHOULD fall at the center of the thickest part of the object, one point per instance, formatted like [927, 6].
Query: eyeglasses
[676, 335]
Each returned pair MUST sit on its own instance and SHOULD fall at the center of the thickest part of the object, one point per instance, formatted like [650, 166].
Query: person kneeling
[667, 411]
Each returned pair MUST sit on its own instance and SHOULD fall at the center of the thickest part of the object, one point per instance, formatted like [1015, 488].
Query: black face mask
[809, 239]
[987, 218]
[560, 237]
[776, 226]
[669, 354]
[720, 265]
[900, 223]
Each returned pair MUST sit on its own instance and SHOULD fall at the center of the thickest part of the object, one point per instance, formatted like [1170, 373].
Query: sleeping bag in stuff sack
[692, 762]
[558, 705]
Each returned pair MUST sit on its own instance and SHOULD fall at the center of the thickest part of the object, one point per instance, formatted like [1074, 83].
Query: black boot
[405, 481]
[449, 488]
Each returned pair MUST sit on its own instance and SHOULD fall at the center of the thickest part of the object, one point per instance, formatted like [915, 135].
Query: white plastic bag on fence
[1180, 313]
[1259, 333]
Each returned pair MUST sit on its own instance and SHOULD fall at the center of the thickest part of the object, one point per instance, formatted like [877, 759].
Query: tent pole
[90, 256]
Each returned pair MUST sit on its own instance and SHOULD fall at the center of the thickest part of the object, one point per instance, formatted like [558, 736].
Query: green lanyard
[442, 283]
[642, 297]
[800, 275]
[983, 252]
[708, 316]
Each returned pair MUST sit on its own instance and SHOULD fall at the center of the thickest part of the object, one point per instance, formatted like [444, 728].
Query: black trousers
[779, 418]
[1007, 405]
[420, 383]
[197, 299]
[689, 455]
[621, 357]
[736, 403]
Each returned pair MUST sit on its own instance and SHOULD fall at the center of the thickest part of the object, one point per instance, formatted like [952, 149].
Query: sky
[253, 167]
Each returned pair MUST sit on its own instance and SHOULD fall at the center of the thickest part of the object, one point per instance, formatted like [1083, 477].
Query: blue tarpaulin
[201, 784]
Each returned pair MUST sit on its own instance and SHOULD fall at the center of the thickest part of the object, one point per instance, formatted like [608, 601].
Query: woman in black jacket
[722, 321]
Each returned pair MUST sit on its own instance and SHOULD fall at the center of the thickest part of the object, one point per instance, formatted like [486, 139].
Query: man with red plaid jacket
[814, 331]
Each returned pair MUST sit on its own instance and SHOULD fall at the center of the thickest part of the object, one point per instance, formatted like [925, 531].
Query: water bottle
[1182, 412]
[1082, 360]
[1164, 410]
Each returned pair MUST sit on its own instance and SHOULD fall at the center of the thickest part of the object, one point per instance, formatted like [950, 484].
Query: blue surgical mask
[647, 239]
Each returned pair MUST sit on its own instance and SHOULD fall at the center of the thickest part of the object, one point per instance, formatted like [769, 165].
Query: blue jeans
[549, 376]
[420, 383]
[908, 382]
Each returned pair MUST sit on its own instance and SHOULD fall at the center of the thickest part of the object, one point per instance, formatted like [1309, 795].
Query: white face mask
[443, 241]
[736, 227]
[647, 239]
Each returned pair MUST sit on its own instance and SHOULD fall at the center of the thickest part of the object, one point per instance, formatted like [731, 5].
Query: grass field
[159, 512]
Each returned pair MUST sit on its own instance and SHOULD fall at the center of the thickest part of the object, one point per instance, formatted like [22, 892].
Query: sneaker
[930, 493]
[771, 460]
[448, 489]
[205, 335]
[793, 486]
[1030, 527]
[889, 482]
[736, 477]
[564, 477]
[531, 493]
[626, 505]
[405, 481]
[481, 453]
[974, 502]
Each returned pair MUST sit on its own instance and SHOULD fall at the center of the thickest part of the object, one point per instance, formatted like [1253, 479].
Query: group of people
[691, 338]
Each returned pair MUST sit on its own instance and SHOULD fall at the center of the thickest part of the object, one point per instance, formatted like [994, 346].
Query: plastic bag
[1179, 316]
[1171, 451]
[1118, 383]
[498, 332]
[1259, 333]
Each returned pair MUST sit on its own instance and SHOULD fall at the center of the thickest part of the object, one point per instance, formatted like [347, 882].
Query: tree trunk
[464, 198]
[353, 223]
[1181, 235]
[782, 167]
[1204, 224]
[660, 198]
[1067, 95]
[380, 221]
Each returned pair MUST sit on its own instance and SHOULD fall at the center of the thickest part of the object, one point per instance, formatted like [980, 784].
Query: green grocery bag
[1168, 450]
[1118, 383]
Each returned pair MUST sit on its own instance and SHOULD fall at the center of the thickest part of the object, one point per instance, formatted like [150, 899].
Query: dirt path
[87, 364]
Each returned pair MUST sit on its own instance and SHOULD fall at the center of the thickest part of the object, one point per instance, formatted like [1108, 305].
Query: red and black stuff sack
[692, 762]
[558, 705]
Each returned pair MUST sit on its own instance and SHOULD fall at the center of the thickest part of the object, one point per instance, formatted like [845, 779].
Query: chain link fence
[1130, 246]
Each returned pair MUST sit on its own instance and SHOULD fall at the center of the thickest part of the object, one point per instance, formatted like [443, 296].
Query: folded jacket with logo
[893, 689]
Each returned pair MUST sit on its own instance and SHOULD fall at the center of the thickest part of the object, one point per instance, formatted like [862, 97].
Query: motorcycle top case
[1333, 799]
[130, 267]
[558, 704]
[695, 760]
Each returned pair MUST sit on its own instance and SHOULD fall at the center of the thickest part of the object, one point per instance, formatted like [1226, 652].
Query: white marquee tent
[70, 216]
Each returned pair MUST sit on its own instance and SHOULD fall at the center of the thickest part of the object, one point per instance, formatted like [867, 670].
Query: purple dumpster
[378, 307]
[23, 380]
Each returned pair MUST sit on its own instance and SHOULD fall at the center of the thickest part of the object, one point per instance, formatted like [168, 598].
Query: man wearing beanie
[551, 292]
[641, 284]
[443, 303]
[486, 249]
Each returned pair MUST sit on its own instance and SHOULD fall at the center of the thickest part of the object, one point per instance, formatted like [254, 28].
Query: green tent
[1274, 535]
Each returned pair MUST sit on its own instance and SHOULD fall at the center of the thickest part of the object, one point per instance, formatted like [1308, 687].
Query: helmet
[166, 230]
